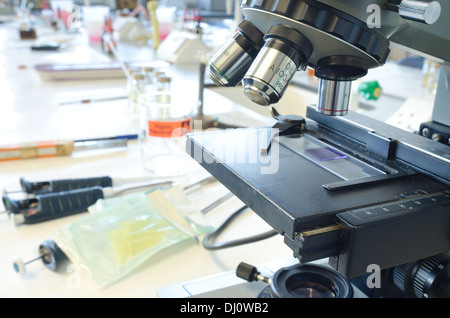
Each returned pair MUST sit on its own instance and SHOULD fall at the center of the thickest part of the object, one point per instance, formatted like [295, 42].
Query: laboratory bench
[32, 109]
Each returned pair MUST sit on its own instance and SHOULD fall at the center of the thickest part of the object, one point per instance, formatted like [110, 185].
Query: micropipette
[52, 205]
[58, 185]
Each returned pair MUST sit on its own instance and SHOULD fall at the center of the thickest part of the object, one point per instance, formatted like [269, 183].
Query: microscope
[372, 199]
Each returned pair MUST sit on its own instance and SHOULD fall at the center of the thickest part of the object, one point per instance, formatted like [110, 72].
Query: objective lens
[285, 51]
[336, 74]
[334, 97]
[229, 65]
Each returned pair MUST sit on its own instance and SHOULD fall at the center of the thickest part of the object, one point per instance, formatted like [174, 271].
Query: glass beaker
[165, 119]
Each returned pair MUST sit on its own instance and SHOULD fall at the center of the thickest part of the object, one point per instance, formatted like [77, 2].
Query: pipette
[53, 205]
[152, 6]
[58, 185]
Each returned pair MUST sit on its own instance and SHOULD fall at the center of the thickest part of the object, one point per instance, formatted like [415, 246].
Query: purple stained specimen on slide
[325, 154]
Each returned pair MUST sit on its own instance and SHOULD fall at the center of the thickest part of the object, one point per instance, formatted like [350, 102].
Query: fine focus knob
[420, 11]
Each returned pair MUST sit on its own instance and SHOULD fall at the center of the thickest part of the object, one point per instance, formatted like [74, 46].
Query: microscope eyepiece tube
[229, 65]
[285, 51]
[334, 97]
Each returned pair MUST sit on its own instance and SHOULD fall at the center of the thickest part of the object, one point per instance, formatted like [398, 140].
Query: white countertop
[30, 111]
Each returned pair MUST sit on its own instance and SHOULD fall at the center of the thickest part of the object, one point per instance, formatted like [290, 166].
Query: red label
[167, 129]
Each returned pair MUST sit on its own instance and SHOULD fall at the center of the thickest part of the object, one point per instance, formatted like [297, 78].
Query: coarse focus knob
[420, 11]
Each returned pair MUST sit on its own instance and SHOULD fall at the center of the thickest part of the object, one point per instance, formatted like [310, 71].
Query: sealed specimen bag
[121, 233]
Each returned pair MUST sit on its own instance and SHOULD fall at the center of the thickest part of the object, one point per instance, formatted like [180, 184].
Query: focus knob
[426, 278]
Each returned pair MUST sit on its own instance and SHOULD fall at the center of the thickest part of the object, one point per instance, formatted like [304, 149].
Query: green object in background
[370, 90]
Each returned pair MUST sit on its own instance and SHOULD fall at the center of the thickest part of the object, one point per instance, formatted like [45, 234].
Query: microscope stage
[288, 186]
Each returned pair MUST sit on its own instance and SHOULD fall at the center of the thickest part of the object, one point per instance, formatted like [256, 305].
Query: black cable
[216, 246]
